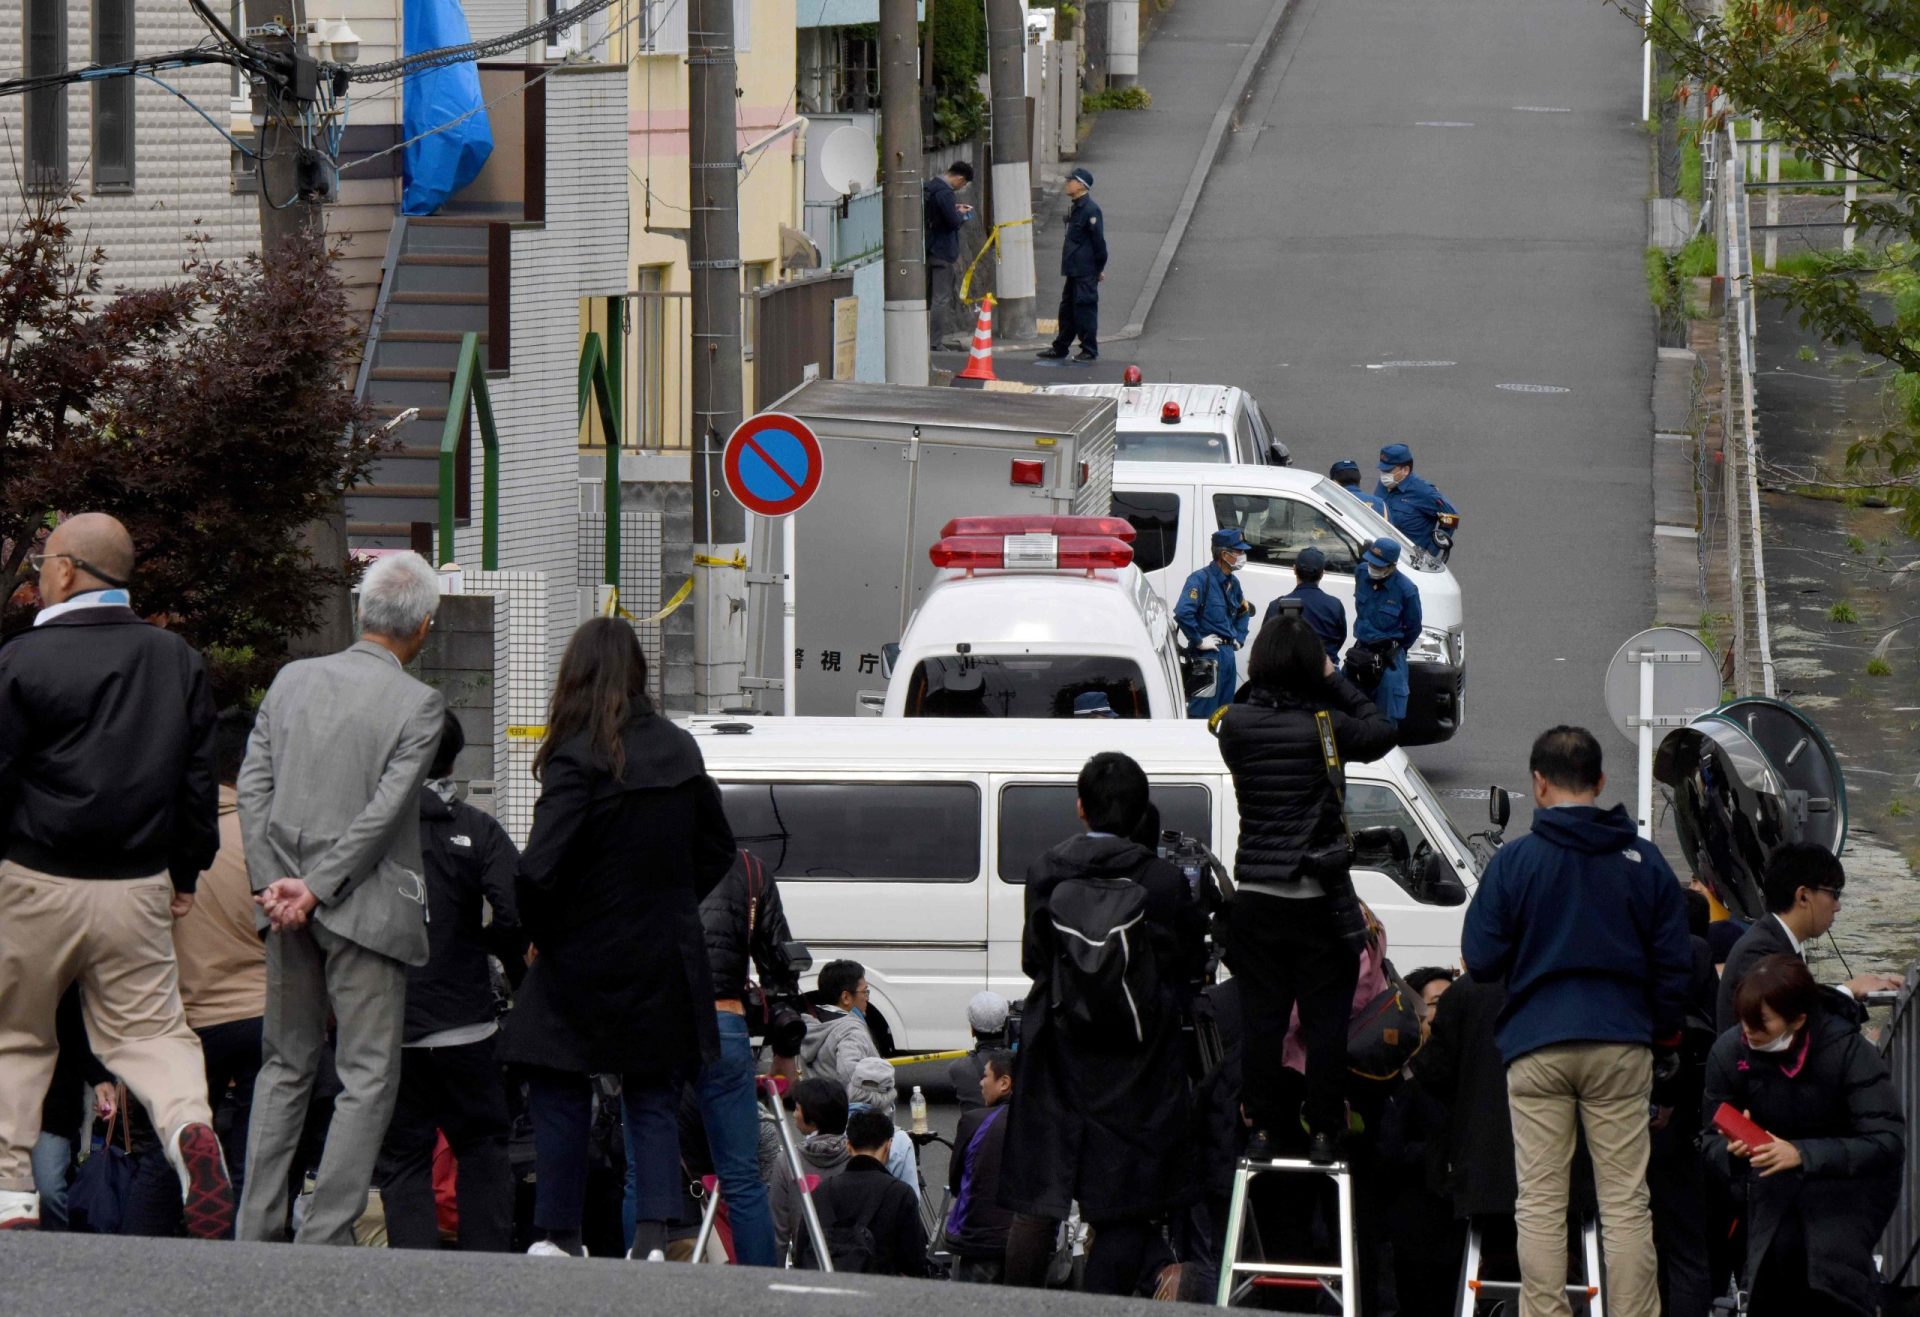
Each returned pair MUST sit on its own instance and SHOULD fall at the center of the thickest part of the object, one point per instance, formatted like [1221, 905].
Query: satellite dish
[849, 160]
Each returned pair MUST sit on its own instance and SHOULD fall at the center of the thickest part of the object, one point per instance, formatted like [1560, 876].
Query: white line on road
[1532, 388]
[1543, 109]
[1441, 123]
[778, 1288]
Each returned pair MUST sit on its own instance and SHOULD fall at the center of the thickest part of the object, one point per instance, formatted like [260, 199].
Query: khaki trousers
[1607, 1088]
[115, 936]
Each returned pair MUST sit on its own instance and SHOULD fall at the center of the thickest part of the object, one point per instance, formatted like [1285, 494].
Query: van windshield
[1026, 686]
[1171, 446]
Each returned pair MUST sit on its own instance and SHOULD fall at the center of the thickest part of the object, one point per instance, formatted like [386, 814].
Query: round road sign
[1686, 680]
[772, 464]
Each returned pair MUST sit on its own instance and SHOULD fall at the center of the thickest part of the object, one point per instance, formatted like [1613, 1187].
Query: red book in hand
[1735, 1124]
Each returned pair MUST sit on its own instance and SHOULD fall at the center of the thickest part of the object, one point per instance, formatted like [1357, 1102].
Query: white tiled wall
[524, 679]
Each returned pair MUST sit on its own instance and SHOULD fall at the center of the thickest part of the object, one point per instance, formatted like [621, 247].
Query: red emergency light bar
[1043, 523]
[1170, 414]
[1131, 377]
[1067, 552]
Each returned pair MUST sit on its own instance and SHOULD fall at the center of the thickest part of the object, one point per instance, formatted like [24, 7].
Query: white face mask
[1235, 561]
[1379, 573]
[1389, 478]
[1780, 1044]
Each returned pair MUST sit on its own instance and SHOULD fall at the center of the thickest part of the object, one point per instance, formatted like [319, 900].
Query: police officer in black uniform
[1083, 260]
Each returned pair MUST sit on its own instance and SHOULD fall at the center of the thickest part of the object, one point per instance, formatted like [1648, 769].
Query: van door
[1419, 931]
[1031, 815]
[888, 873]
[1277, 527]
[1161, 516]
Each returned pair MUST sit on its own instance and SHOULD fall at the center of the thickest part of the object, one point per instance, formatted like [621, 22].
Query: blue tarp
[436, 167]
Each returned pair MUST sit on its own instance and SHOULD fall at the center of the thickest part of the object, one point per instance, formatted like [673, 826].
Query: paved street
[1390, 197]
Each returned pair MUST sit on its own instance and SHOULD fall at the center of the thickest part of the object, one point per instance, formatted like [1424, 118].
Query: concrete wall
[579, 252]
[182, 166]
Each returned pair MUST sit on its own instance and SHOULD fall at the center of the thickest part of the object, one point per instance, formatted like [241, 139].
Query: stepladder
[1338, 1279]
[714, 1242]
[1586, 1295]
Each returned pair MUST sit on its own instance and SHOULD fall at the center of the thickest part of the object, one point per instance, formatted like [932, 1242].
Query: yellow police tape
[918, 1057]
[993, 237]
[739, 560]
[613, 609]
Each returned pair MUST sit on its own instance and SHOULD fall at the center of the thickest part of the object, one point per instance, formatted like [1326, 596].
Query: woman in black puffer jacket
[1283, 946]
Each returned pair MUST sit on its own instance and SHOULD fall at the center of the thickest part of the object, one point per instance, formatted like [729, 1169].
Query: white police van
[1185, 422]
[904, 843]
[1038, 616]
[1174, 508]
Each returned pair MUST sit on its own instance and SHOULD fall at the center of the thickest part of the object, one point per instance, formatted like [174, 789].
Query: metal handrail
[598, 385]
[470, 385]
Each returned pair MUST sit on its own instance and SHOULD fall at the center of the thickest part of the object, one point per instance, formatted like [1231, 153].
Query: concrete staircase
[434, 291]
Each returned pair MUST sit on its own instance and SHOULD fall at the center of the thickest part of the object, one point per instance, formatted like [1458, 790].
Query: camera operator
[1291, 940]
[744, 920]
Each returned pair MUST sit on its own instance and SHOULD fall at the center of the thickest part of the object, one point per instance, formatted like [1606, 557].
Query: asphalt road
[1456, 185]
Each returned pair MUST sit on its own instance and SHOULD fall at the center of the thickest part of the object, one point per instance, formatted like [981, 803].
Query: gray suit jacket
[327, 794]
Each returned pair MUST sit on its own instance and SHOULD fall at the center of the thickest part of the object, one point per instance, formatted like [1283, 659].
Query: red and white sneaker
[19, 1210]
[205, 1186]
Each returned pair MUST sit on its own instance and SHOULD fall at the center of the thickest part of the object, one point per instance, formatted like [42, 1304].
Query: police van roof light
[1030, 552]
[1170, 414]
[1131, 377]
[1043, 523]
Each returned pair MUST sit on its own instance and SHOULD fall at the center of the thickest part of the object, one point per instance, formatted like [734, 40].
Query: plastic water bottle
[918, 1107]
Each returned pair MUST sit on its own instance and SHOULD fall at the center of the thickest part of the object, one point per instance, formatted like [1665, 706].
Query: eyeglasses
[38, 562]
[1834, 892]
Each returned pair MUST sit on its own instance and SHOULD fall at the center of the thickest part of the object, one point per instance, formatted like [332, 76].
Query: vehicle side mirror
[1278, 455]
[889, 655]
[1499, 806]
[1386, 837]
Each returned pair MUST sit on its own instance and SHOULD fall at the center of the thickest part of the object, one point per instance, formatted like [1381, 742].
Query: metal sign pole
[790, 627]
[1646, 748]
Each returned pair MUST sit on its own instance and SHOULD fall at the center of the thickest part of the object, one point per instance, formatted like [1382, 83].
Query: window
[1155, 519]
[649, 339]
[1372, 805]
[113, 98]
[1278, 528]
[865, 831]
[1035, 817]
[1252, 451]
[1022, 686]
[46, 108]
[1170, 445]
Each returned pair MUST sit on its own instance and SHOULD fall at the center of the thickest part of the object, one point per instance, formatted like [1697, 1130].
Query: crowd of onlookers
[253, 969]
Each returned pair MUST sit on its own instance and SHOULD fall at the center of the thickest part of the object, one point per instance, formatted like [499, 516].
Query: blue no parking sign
[772, 464]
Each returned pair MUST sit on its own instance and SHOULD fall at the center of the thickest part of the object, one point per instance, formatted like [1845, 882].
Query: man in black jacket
[871, 1219]
[109, 810]
[945, 217]
[449, 1081]
[1100, 1114]
[1802, 885]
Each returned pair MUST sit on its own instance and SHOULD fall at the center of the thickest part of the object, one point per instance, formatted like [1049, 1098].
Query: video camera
[779, 1013]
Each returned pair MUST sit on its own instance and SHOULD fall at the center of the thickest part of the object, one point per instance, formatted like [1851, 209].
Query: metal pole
[713, 256]
[901, 206]
[1012, 175]
[1646, 68]
[789, 623]
[1645, 804]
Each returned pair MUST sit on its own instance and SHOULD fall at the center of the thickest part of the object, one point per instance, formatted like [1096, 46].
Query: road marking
[1543, 109]
[1412, 365]
[778, 1288]
[1532, 388]
[1442, 123]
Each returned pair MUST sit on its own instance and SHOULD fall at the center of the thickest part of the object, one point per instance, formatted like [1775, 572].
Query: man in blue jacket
[945, 217]
[1083, 260]
[1414, 506]
[1585, 923]
[1214, 616]
[1386, 620]
[1346, 474]
[1322, 613]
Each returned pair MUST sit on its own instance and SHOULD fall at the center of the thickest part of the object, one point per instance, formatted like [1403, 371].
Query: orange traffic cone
[980, 357]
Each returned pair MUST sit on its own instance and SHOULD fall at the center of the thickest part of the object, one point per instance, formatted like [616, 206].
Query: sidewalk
[1144, 162]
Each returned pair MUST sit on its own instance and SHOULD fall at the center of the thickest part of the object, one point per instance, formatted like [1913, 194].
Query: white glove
[1209, 643]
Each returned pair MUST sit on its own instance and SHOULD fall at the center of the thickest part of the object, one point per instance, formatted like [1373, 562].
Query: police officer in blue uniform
[1386, 620]
[1214, 616]
[1321, 612]
[1346, 474]
[1083, 260]
[1414, 506]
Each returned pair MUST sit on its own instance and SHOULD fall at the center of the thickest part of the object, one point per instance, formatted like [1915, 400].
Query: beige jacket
[223, 962]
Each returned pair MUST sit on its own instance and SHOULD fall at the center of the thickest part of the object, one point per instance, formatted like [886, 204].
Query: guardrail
[1900, 1049]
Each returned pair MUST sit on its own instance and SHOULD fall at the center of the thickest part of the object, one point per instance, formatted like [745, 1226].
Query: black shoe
[1260, 1148]
[1323, 1150]
[1052, 354]
[1084, 355]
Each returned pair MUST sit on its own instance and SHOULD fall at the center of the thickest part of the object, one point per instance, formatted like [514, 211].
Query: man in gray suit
[330, 812]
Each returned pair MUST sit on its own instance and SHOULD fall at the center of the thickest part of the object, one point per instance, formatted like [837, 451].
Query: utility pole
[1012, 176]
[902, 207]
[713, 254]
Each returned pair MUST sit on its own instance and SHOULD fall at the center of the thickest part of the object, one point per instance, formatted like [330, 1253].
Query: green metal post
[489, 474]
[451, 437]
[616, 436]
[470, 383]
[595, 386]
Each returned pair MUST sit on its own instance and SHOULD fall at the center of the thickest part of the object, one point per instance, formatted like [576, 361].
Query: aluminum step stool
[1341, 1282]
[1474, 1287]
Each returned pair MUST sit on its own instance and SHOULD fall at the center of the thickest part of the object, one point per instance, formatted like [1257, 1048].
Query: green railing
[600, 385]
[470, 385]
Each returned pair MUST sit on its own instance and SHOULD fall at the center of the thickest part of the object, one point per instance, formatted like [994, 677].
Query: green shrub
[1116, 98]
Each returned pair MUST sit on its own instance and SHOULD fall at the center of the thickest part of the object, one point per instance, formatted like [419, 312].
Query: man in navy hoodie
[1585, 923]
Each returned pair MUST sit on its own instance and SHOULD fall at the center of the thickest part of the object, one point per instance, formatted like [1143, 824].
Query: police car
[1040, 616]
[1185, 422]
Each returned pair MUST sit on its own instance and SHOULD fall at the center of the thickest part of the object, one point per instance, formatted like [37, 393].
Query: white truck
[1176, 506]
[899, 463]
[1034, 617]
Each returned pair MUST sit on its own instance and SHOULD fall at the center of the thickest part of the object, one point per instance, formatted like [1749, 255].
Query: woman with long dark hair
[628, 837]
[1285, 947]
[1819, 1192]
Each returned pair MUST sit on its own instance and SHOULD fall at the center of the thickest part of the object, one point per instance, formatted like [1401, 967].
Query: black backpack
[1106, 985]
[850, 1243]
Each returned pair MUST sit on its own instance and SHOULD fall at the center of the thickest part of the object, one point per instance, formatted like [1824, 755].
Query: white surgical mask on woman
[1775, 1045]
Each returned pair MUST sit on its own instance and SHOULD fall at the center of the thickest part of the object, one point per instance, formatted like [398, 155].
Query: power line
[477, 50]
